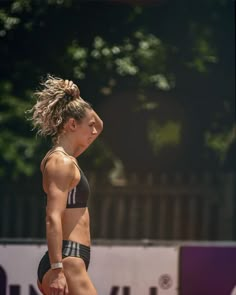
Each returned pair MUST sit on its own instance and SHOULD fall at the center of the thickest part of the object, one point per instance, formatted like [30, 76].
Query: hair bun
[71, 90]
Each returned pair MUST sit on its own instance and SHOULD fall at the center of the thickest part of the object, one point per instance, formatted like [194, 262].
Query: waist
[76, 225]
[71, 248]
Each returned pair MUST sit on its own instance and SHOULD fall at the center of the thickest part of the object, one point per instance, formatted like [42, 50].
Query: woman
[61, 113]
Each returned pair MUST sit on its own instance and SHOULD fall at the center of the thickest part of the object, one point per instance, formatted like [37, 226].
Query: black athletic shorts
[69, 248]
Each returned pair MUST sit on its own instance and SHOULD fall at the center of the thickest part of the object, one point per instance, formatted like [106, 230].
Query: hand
[58, 284]
[69, 84]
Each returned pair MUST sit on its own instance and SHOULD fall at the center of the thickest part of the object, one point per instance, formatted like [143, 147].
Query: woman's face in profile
[86, 129]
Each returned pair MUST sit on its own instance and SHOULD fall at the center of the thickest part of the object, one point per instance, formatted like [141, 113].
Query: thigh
[40, 287]
[78, 280]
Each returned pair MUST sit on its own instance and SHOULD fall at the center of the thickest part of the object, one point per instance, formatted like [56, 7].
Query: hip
[69, 249]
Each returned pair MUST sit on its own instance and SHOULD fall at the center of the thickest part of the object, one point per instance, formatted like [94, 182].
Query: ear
[72, 124]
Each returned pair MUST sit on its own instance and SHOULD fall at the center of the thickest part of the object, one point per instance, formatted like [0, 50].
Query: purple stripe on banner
[207, 270]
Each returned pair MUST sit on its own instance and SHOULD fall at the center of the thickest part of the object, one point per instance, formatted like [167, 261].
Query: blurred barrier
[134, 270]
[114, 269]
[164, 207]
[137, 268]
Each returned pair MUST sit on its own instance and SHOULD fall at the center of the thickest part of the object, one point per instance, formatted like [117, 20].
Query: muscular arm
[98, 123]
[57, 179]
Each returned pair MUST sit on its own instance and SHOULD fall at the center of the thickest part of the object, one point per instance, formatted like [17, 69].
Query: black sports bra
[78, 196]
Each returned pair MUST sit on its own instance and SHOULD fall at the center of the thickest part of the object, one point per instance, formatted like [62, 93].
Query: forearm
[98, 123]
[54, 237]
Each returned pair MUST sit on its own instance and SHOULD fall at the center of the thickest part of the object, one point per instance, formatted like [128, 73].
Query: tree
[166, 57]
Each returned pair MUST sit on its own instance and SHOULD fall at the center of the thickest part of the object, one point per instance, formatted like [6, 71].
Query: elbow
[53, 219]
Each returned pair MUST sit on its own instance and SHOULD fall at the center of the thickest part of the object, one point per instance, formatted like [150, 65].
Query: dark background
[161, 74]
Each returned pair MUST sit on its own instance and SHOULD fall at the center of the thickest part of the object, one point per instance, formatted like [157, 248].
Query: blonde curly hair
[56, 102]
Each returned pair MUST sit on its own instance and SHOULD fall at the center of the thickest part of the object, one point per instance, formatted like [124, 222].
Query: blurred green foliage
[182, 48]
[162, 136]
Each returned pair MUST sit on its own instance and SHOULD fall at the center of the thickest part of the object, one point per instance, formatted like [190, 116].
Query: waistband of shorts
[71, 248]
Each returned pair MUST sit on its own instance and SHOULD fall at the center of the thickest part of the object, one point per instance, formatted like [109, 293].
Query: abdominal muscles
[75, 225]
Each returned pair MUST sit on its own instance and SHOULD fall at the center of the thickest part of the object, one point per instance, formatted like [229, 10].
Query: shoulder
[58, 165]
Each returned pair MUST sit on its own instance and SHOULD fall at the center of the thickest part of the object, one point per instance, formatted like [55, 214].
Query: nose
[94, 131]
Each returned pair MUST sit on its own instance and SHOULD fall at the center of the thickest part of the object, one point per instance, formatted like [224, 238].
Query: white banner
[135, 270]
[18, 269]
[114, 270]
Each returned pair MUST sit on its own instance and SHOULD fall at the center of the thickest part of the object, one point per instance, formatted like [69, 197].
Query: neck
[66, 142]
[65, 148]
